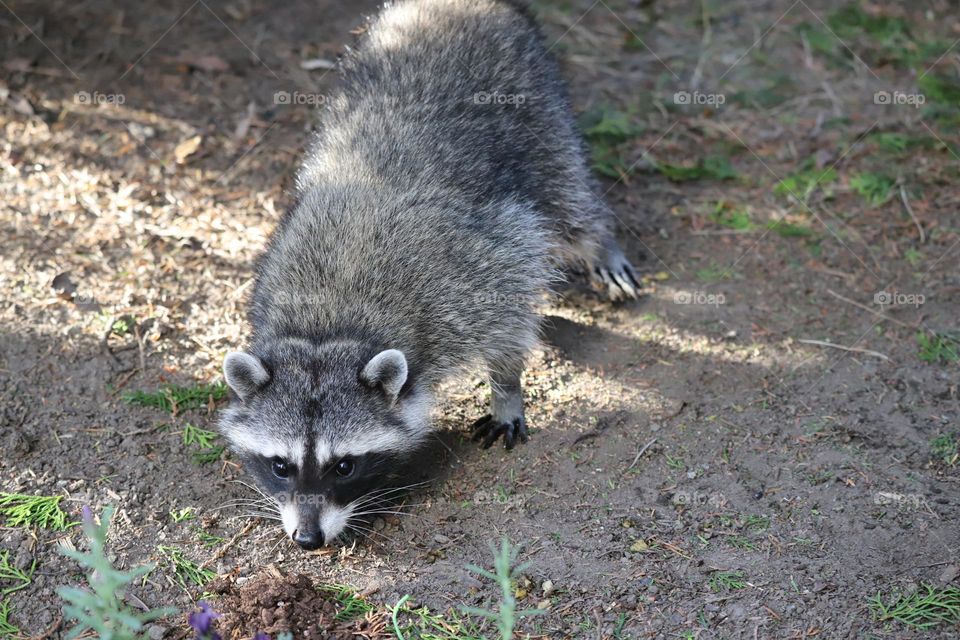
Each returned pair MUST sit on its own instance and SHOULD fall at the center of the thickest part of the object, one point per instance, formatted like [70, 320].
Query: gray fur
[445, 193]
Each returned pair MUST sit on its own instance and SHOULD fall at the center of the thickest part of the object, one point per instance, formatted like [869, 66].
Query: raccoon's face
[326, 431]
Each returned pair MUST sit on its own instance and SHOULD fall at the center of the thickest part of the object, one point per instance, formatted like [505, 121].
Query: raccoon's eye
[280, 468]
[345, 468]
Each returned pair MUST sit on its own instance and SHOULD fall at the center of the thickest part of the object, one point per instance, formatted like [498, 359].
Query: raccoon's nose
[308, 539]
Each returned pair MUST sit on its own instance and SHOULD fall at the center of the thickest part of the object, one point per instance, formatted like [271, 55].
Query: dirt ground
[698, 467]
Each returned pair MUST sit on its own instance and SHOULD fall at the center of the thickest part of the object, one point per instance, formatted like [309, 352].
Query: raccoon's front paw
[618, 278]
[489, 429]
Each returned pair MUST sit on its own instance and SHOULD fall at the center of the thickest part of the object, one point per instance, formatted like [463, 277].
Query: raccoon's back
[454, 93]
[448, 282]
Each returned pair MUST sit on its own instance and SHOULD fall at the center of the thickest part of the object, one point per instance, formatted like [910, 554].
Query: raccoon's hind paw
[617, 277]
[489, 429]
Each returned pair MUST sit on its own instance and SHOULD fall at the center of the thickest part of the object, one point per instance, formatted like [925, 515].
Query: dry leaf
[186, 148]
[639, 546]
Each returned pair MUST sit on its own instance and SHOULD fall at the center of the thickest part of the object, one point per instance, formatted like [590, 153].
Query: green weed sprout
[20, 510]
[18, 579]
[504, 575]
[924, 608]
[100, 608]
[186, 571]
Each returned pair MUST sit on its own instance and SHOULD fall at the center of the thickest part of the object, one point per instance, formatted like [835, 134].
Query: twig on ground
[105, 342]
[140, 337]
[824, 343]
[640, 453]
[120, 385]
[232, 541]
[906, 205]
[602, 426]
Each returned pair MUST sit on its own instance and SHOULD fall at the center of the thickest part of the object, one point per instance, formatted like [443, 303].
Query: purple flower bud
[202, 621]
[261, 636]
[87, 514]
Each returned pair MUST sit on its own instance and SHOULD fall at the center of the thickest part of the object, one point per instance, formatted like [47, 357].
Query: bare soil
[696, 469]
[277, 603]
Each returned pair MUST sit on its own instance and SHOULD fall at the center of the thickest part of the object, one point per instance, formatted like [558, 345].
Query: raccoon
[443, 197]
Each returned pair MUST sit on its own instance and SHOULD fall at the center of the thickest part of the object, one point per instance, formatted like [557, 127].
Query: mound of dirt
[274, 603]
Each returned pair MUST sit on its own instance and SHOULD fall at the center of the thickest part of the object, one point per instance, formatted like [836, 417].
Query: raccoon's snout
[307, 539]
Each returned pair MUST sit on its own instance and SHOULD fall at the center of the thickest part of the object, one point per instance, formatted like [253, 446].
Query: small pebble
[156, 631]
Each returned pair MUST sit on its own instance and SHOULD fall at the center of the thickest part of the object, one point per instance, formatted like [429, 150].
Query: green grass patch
[946, 447]
[925, 608]
[19, 510]
[208, 540]
[731, 217]
[11, 579]
[739, 542]
[913, 256]
[352, 605]
[821, 41]
[938, 348]
[419, 623]
[851, 21]
[200, 438]
[182, 515]
[940, 89]
[727, 581]
[756, 523]
[208, 455]
[900, 143]
[203, 440]
[185, 571]
[176, 399]
[876, 38]
[123, 325]
[607, 131]
[712, 273]
[786, 229]
[7, 628]
[713, 167]
[674, 463]
[802, 184]
[875, 188]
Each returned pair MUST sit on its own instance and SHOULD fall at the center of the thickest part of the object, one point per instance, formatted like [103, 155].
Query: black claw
[494, 433]
[489, 430]
[480, 427]
[521, 424]
[628, 270]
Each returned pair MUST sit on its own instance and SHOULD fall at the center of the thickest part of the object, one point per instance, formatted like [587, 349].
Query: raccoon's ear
[387, 370]
[244, 373]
